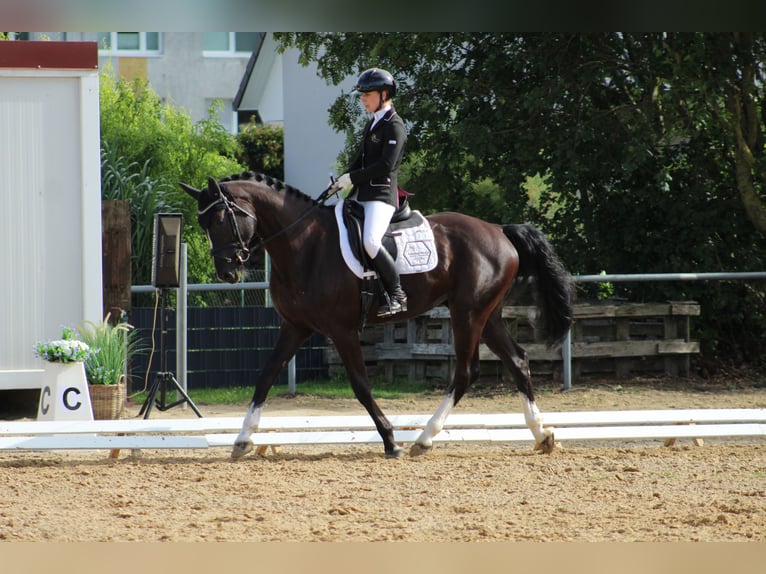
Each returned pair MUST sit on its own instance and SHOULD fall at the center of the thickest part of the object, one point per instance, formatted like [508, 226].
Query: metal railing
[566, 348]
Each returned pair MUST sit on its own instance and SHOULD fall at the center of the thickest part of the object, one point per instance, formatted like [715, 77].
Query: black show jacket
[374, 171]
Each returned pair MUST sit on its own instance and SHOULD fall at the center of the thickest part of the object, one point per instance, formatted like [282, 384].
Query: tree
[650, 147]
[148, 147]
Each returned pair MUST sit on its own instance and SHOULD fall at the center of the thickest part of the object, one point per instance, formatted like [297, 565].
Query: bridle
[243, 251]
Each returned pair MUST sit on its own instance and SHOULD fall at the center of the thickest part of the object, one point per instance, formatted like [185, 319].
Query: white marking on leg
[250, 423]
[436, 422]
[533, 418]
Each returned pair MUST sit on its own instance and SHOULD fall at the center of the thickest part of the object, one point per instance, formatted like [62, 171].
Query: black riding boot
[396, 298]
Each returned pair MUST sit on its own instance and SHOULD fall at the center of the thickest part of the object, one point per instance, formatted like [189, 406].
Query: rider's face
[371, 101]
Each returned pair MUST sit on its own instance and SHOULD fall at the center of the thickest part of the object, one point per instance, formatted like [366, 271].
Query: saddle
[353, 218]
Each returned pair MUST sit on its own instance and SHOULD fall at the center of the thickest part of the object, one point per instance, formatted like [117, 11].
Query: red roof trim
[50, 55]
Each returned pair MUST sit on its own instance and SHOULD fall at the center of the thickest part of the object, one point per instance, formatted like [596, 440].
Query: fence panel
[227, 346]
[619, 339]
[638, 342]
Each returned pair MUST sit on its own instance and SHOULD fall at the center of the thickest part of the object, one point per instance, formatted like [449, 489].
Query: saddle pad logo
[416, 251]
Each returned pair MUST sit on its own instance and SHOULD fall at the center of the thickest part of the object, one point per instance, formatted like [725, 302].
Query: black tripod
[164, 377]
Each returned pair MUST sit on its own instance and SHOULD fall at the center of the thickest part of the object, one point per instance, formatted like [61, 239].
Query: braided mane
[272, 182]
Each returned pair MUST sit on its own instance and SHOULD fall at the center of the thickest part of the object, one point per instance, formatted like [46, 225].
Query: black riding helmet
[376, 79]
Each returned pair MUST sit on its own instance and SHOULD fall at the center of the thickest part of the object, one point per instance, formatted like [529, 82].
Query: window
[129, 43]
[245, 116]
[228, 44]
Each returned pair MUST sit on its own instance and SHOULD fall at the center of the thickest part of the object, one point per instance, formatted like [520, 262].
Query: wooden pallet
[607, 338]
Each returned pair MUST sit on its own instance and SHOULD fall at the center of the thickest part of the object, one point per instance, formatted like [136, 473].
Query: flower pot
[108, 400]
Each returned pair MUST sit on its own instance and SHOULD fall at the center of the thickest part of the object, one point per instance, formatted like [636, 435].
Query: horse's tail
[554, 288]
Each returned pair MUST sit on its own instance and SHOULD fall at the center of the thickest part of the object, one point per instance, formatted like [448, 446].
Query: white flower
[63, 351]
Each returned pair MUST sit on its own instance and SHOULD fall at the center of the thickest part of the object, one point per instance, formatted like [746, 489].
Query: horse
[313, 290]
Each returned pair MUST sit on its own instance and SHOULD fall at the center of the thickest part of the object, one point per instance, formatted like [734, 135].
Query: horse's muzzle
[228, 276]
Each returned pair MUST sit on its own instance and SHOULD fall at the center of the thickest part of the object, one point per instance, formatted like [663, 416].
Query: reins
[244, 251]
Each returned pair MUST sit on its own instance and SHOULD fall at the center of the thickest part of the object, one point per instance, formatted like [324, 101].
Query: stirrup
[392, 306]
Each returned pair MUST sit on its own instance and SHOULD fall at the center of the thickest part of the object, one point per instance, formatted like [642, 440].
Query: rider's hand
[342, 182]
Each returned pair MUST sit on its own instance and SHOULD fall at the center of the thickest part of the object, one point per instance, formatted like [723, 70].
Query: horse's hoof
[418, 449]
[546, 445]
[398, 452]
[240, 449]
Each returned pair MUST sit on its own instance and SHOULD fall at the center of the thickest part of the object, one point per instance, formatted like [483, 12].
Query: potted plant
[64, 350]
[111, 346]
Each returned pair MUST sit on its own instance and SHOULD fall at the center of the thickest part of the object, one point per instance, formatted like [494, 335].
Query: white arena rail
[358, 429]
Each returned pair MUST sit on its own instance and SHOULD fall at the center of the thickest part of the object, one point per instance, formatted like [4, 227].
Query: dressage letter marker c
[45, 396]
[64, 393]
[65, 398]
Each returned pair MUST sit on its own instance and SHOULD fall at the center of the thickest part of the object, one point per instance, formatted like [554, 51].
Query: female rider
[374, 176]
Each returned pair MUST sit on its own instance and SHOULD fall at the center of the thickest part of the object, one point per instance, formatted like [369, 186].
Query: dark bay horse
[313, 290]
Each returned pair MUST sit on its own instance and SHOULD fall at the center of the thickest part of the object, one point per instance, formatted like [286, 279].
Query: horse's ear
[213, 188]
[195, 193]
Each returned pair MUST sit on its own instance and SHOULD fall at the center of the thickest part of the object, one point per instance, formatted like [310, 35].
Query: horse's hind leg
[466, 373]
[289, 340]
[516, 360]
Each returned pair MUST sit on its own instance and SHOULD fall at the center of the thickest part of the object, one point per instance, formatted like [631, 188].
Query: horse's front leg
[349, 348]
[289, 340]
[242, 444]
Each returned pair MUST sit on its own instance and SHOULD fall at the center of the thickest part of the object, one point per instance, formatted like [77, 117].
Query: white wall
[271, 100]
[311, 145]
[50, 212]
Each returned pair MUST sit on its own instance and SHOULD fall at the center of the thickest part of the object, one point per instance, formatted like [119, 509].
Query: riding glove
[342, 182]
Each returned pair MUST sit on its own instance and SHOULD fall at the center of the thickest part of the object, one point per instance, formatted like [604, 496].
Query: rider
[374, 176]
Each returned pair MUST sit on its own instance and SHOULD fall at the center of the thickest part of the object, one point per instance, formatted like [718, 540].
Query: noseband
[242, 251]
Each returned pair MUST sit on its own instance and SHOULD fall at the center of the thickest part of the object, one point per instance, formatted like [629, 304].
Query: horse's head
[230, 228]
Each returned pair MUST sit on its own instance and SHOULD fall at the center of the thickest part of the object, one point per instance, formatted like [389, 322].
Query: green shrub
[262, 149]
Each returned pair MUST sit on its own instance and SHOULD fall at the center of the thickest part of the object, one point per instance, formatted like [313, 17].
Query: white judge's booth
[50, 211]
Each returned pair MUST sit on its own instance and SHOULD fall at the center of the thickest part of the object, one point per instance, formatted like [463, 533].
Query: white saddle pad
[416, 249]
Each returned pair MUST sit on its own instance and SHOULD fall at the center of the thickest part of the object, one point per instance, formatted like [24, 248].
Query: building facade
[246, 72]
[190, 70]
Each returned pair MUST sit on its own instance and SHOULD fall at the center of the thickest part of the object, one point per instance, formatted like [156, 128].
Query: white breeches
[377, 216]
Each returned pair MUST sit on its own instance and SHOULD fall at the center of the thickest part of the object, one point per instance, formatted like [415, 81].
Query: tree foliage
[650, 147]
[148, 147]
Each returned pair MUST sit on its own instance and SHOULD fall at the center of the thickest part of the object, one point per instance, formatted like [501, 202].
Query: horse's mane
[272, 182]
